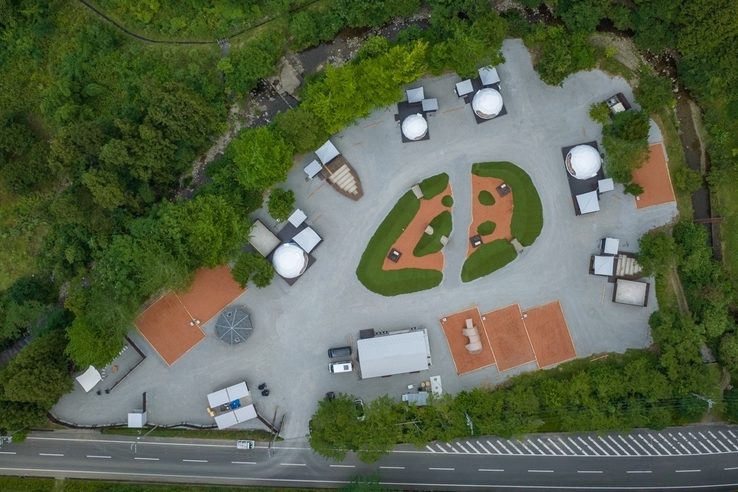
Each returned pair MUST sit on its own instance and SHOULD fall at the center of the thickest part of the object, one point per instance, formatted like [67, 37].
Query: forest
[100, 131]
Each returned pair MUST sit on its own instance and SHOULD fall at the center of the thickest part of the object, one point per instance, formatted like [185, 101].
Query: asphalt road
[87, 455]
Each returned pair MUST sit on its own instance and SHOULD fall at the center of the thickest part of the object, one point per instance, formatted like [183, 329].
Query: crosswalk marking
[699, 441]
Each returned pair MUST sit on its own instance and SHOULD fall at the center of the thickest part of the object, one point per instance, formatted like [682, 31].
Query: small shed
[488, 76]
[415, 95]
[603, 265]
[420, 398]
[610, 246]
[137, 419]
[307, 239]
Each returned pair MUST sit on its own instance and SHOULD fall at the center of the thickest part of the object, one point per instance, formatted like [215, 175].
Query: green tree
[599, 112]
[654, 92]
[92, 346]
[38, 375]
[633, 189]
[686, 179]
[253, 267]
[334, 428]
[301, 129]
[365, 484]
[657, 253]
[262, 159]
[204, 231]
[280, 203]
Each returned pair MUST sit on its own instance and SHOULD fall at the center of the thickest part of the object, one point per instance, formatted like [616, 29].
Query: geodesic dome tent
[414, 127]
[583, 162]
[487, 103]
[234, 325]
[290, 260]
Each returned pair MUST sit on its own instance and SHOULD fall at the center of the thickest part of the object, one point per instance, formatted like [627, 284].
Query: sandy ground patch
[549, 334]
[654, 178]
[500, 213]
[463, 360]
[508, 337]
[413, 232]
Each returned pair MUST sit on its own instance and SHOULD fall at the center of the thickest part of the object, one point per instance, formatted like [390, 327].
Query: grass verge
[434, 185]
[675, 154]
[487, 258]
[527, 220]
[17, 484]
[431, 243]
[234, 435]
[394, 282]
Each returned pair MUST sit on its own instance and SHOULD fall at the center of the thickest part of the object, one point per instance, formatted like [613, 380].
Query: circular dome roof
[414, 127]
[289, 260]
[583, 162]
[487, 103]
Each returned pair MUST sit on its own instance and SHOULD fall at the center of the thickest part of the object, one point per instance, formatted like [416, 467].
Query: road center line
[196, 461]
[731, 468]
[146, 459]
[687, 471]
[293, 464]
[491, 470]
[50, 454]
[442, 469]
[638, 471]
[394, 467]
[589, 471]
[7, 452]
[243, 462]
[343, 466]
[96, 456]
[540, 471]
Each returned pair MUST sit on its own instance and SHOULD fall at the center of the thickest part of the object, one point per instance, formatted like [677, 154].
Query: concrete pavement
[294, 326]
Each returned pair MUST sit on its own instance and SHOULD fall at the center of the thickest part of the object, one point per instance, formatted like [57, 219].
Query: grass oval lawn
[526, 225]
[406, 280]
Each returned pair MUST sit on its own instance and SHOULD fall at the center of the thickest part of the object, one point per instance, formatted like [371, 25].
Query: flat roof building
[397, 353]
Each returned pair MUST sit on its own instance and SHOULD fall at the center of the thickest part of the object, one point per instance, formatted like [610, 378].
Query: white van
[343, 366]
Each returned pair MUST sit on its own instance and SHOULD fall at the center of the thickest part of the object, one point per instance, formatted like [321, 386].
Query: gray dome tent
[234, 325]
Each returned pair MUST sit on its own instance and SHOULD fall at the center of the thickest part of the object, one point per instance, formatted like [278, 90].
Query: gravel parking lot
[294, 326]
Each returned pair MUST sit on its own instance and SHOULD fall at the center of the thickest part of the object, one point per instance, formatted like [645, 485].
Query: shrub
[486, 198]
[253, 267]
[434, 185]
[431, 243]
[686, 179]
[280, 203]
[633, 189]
[447, 201]
[563, 54]
[300, 128]
[486, 228]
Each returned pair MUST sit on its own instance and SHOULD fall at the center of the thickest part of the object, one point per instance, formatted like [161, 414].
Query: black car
[339, 352]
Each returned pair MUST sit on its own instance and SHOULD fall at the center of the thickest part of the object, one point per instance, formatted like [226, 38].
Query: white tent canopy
[488, 75]
[313, 169]
[415, 95]
[611, 246]
[604, 265]
[583, 162]
[297, 218]
[327, 152]
[605, 185]
[487, 103]
[289, 260]
[307, 239]
[414, 127]
[89, 379]
[588, 203]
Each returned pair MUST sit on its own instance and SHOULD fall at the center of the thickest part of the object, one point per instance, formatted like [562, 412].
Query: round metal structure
[583, 162]
[414, 127]
[234, 325]
[487, 103]
[289, 260]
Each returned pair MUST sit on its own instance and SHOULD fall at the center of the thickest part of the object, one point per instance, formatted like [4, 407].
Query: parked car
[339, 352]
[359, 403]
[343, 366]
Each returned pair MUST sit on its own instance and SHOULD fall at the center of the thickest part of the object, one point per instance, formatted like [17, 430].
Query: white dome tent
[487, 103]
[290, 260]
[583, 162]
[414, 127]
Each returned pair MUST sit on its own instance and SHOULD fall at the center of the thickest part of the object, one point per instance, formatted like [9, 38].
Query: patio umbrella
[234, 325]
